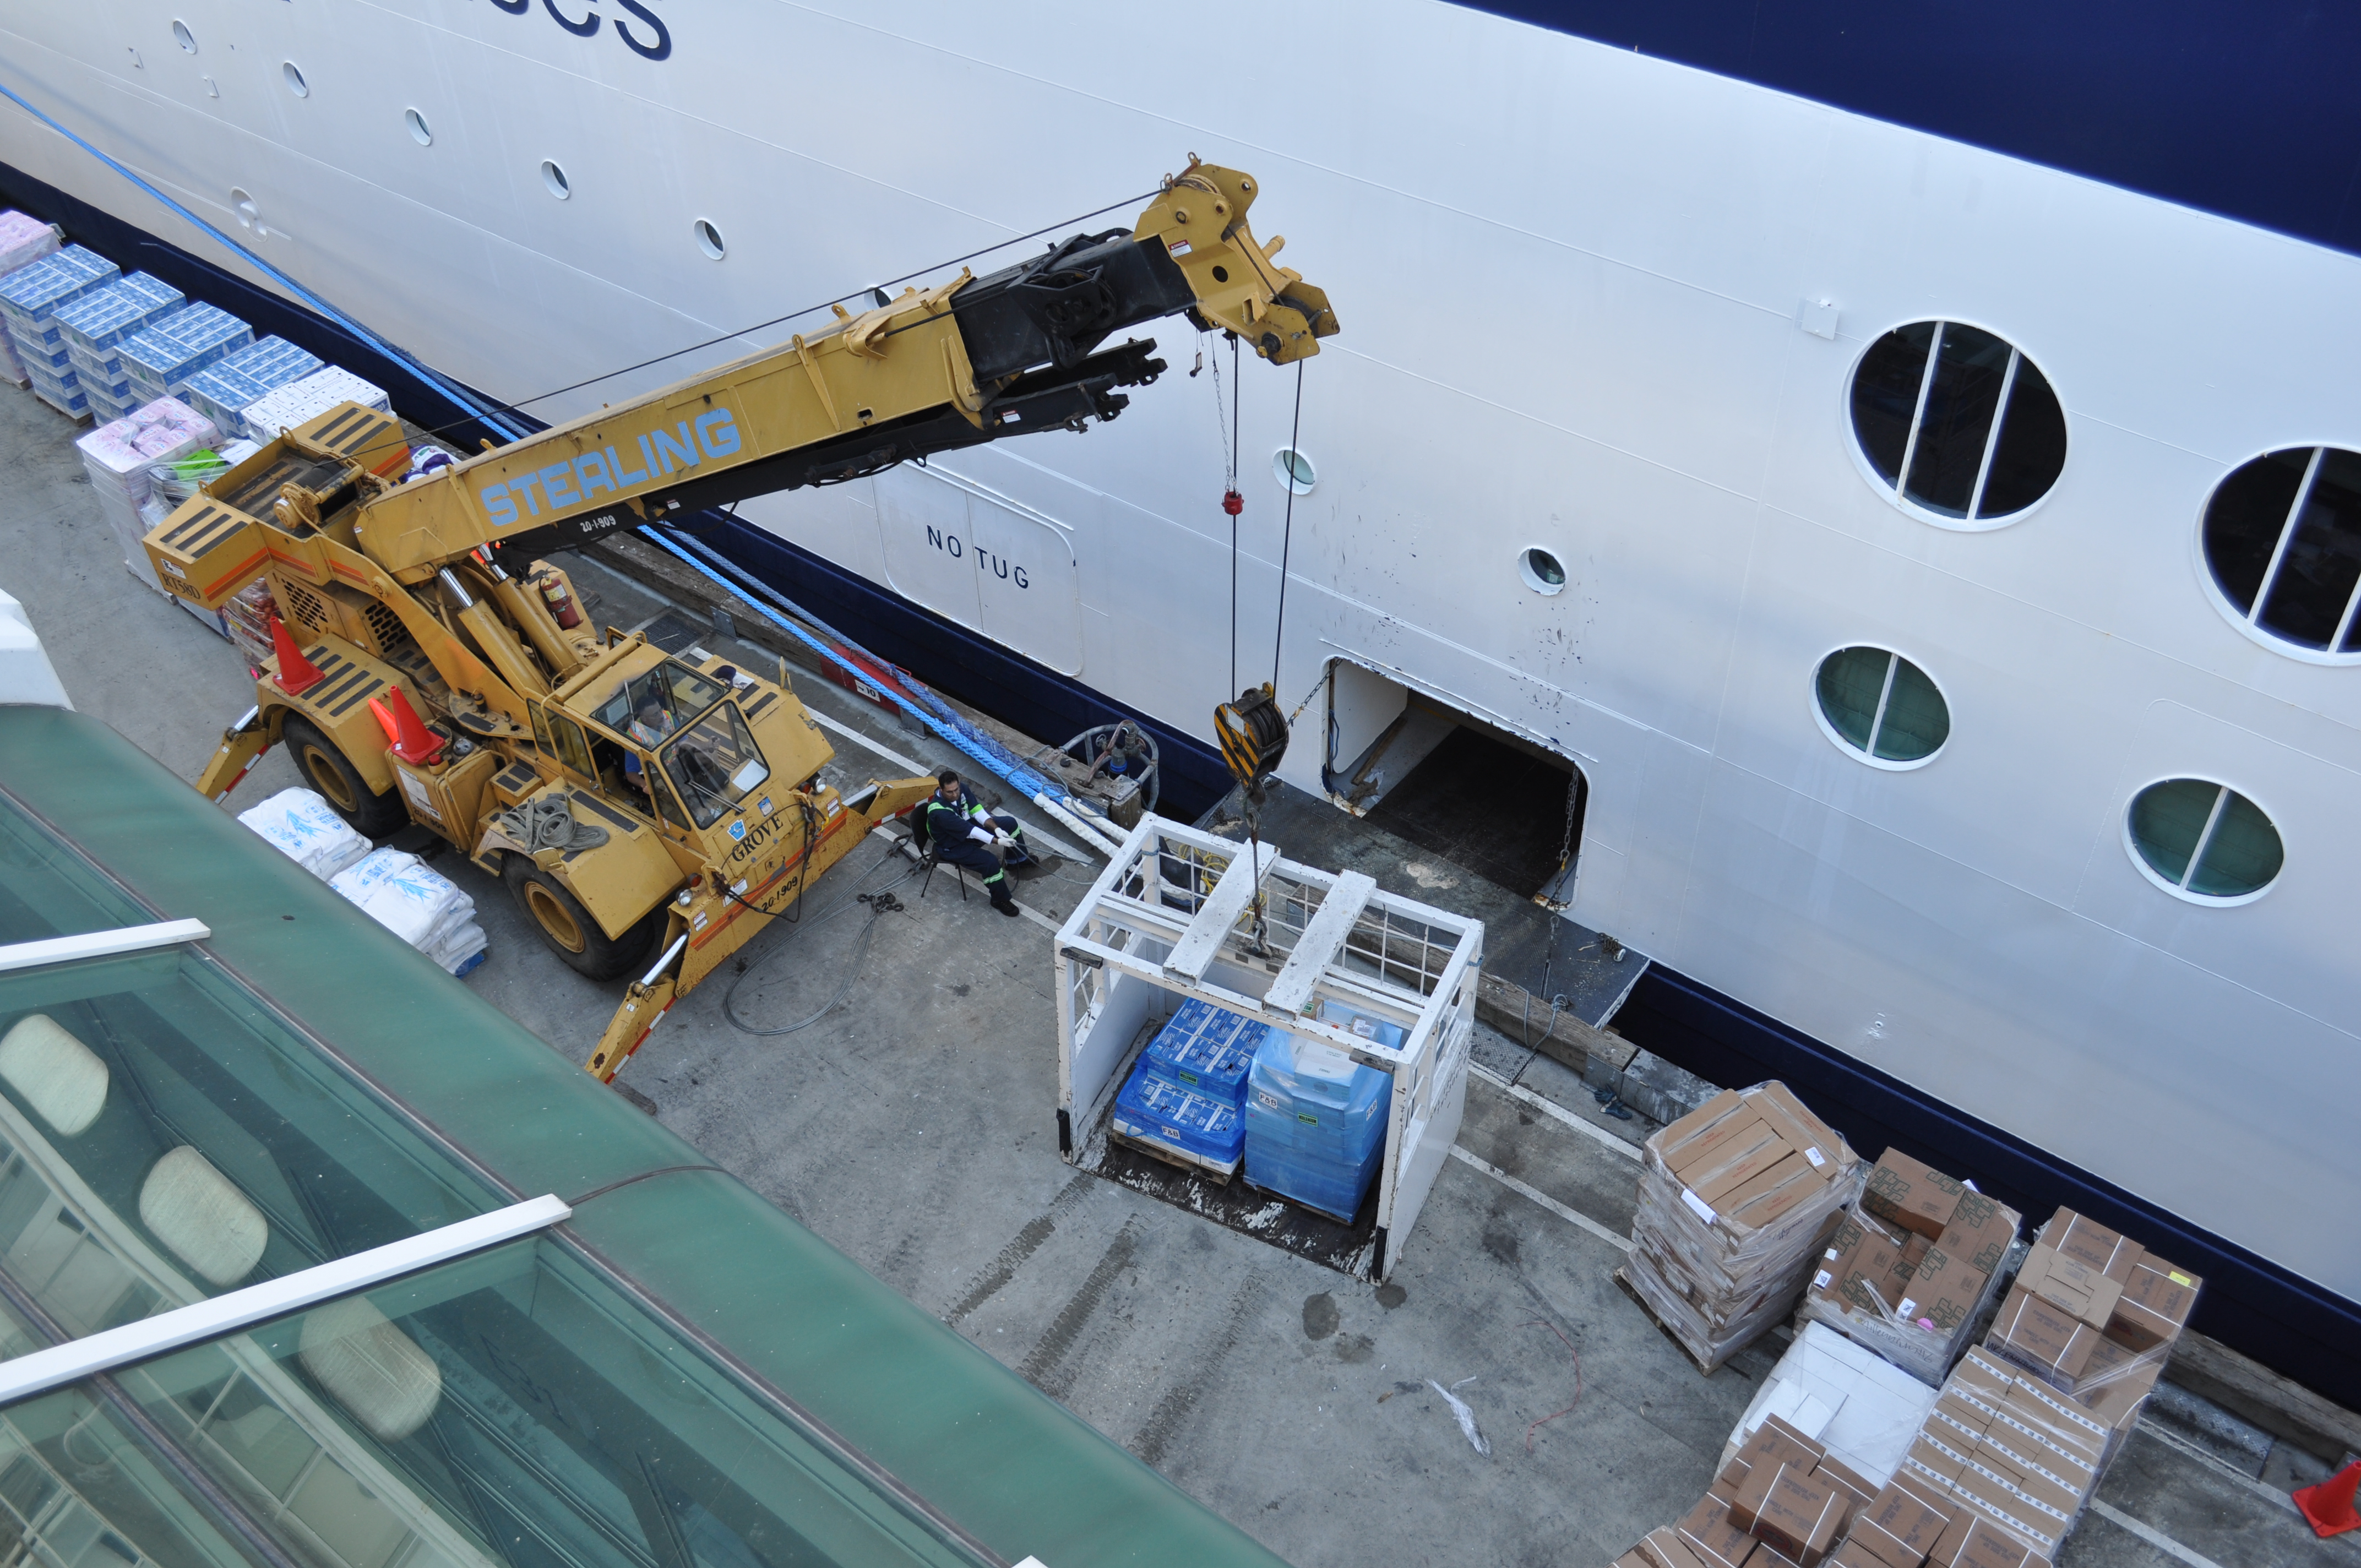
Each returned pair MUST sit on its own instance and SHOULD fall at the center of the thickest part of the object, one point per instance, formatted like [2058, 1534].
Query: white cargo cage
[1172, 918]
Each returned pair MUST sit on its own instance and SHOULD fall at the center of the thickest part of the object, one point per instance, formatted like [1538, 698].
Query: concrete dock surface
[913, 1127]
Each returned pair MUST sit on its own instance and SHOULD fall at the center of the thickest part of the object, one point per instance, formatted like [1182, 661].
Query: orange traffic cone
[296, 673]
[2328, 1508]
[413, 742]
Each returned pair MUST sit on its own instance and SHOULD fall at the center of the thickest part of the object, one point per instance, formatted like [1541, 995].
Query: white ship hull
[1575, 285]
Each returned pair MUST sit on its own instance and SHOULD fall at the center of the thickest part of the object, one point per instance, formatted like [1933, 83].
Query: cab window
[658, 702]
[714, 763]
[563, 738]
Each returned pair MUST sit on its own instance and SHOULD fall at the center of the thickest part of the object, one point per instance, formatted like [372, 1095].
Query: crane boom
[970, 361]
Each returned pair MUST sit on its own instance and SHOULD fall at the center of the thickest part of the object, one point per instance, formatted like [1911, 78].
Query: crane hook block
[1253, 734]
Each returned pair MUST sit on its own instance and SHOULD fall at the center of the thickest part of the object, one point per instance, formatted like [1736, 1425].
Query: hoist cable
[1286, 534]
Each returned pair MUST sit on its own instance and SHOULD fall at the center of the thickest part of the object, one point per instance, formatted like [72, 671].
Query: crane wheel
[569, 930]
[329, 771]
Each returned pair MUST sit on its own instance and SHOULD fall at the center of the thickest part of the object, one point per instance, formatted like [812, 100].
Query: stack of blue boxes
[29, 298]
[95, 326]
[161, 356]
[1315, 1118]
[224, 392]
[1187, 1093]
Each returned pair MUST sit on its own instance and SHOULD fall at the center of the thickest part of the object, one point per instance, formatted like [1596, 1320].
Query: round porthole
[1955, 425]
[419, 130]
[243, 206]
[708, 240]
[553, 181]
[1293, 469]
[295, 83]
[1881, 708]
[185, 38]
[2203, 842]
[1543, 572]
[2282, 542]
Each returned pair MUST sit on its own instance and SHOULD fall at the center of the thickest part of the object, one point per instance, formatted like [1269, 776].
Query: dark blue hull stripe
[2240, 107]
[2254, 1305]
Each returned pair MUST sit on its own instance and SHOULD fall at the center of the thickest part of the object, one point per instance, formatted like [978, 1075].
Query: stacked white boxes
[161, 357]
[1734, 1200]
[301, 825]
[1844, 1396]
[94, 327]
[29, 298]
[118, 455]
[23, 241]
[299, 402]
[417, 903]
[224, 392]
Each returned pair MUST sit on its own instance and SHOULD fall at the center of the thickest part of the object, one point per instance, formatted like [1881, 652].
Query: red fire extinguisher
[554, 595]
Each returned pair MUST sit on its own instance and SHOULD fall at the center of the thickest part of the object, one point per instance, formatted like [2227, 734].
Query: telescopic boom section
[970, 361]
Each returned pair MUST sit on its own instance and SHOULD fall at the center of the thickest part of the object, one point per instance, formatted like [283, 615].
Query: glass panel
[2323, 556]
[1851, 682]
[76, 1491]
[1885, 395]
[715, 764]
[163, 1138]
[47, 890]
[2031, 450]
[2243, 854]
[1957, 420]
[2166, 821]
[2244, 520]
[654, 703]
[566, 739]
[513, 1408]
[1917, 720]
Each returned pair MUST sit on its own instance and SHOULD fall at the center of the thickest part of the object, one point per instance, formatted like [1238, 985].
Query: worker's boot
[998, 884]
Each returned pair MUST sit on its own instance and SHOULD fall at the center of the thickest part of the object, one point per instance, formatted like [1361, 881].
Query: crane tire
[326, 769]
[570, 930]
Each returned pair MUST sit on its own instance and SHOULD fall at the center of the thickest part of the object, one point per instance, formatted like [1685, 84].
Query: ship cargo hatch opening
[1490, 802]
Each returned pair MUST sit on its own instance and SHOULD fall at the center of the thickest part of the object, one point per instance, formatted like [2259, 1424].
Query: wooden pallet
[1661, 1327]
[1217, 1174]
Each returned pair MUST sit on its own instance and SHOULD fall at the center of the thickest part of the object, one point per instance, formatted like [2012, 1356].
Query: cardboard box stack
[224, 392]
[161, 356]
[1913, 1269]
[116, 456]
[23, 241]
[1781, 1501]
[95, 326]
[1734, 1200]
[2007, 1461]
[29, 298]
[2094, 1315]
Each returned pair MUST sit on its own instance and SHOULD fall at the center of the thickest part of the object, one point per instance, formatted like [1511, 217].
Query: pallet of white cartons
[298, 403]
[1842, 1395]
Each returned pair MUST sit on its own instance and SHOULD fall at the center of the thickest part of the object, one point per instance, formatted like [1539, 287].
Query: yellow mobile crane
[636, 802]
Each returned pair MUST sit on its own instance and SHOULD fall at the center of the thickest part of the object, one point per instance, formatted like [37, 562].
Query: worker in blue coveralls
[965, 834]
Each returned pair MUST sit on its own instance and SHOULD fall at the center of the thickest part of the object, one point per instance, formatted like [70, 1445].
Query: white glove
[1004, 841]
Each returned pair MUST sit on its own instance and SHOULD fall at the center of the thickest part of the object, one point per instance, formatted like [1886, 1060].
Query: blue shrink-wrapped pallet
[161, 357]
[221, 394]
[95, 325]
[1206, 1050]
[1315, 1119]
[1154, 1110]
[29, 298]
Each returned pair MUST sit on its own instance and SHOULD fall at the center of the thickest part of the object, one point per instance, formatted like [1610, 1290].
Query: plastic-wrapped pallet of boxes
[1735, 1199]
[1856, 1405]
[1781, 1499]
[1185, 1101]
[2094, 1316]
[1915, 1267]
[226, 390]
[298, 403]
[160, 356]
[94, 327]
[23, 241]
[417, 903]
[303, 827]
[1316, 1118]
[29, 298]
[118, 455]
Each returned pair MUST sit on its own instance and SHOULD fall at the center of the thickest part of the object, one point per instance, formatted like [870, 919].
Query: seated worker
[965, 834]
[649, 727]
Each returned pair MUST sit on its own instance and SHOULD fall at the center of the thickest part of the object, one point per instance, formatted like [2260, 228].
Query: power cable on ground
[881, 901]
